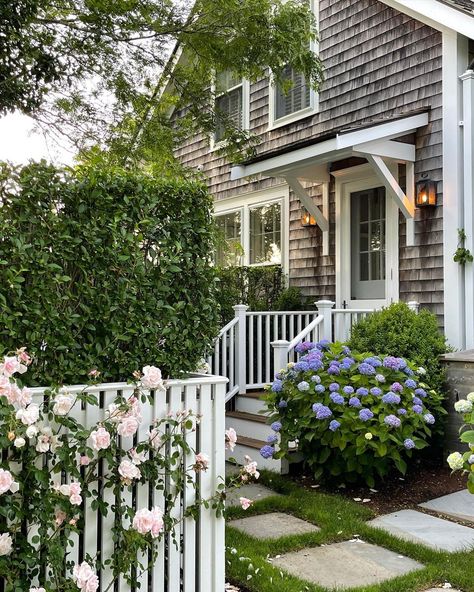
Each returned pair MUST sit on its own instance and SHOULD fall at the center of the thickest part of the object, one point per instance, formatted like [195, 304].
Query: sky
[19, 142]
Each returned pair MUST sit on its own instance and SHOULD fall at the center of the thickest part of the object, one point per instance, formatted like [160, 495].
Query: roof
[462, 5]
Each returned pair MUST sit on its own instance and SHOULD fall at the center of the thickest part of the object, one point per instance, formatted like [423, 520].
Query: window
[229, 105]
[229, 248]
[265, 234]
[296, 99]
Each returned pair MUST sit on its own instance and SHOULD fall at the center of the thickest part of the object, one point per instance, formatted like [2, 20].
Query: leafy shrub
[106, 269]
[292, 299]
[354, 416]
[399, 331]
[465, 461]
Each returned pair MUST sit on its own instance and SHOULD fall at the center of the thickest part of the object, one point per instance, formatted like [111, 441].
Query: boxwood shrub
[354, 417]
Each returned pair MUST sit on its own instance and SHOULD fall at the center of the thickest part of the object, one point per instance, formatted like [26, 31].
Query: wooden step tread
[254, 394]
[248, 416]
[250, 442]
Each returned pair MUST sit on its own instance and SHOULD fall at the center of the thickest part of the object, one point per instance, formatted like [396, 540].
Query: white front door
[366, 242]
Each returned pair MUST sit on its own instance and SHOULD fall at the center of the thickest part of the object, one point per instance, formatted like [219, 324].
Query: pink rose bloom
[148, 521]
[23, 356]
[94, 373]
[59, 517]
[157, 521]
[84, 461]
[128, 426]
[23, 397]
[137, 457]
[5, 385]
[151, 378]
[100, 439]
[202, 462]
[28, 416]
[63, 403]
[230, 439]
[245, 502]
[10, 366]
[13, 393]
[82, 575]
[128, 470]
[6, 481]
[251, 469]
[92, 584]
[155, 438]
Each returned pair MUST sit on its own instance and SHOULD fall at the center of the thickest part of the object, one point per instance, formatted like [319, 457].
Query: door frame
[348, 181]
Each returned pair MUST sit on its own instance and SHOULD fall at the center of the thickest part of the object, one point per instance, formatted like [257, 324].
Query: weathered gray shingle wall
[378, 64]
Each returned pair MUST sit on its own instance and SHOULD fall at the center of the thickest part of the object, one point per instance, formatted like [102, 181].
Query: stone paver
[459, 505]
[428, 530]
[273, 526]
[253, 491]
[442, 590]
[346, 565]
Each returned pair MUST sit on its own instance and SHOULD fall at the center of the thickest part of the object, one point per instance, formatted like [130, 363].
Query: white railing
[197, 563]
[284, 351]
[224, 359]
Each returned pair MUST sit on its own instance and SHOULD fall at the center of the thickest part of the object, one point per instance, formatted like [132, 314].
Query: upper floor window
[296, 99]
[231, 103]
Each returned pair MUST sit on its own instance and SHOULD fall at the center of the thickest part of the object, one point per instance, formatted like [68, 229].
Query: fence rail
[192, 558]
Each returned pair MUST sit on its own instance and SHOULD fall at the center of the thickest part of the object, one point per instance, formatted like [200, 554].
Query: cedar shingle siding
[378, 64]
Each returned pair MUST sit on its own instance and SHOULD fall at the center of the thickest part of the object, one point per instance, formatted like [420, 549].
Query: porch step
[251, 402]
[249, 425]
[251, 447]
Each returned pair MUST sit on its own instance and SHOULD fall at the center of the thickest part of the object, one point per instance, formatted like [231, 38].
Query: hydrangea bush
[465, 461]
[351, 416]
[41, 511]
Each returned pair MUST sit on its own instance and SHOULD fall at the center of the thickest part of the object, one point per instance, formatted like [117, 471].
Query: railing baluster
[231, 376]
[251, 359]
[259, 350]
[267, 376]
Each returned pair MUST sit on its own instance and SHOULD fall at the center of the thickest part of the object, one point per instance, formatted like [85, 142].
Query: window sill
[292, 118]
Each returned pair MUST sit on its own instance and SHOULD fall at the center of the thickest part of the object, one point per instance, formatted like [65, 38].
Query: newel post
[240, 312]
[280, 354]
[414, 305]
[325, 310]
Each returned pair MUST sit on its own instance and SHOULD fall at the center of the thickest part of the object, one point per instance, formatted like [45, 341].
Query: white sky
[19, 143]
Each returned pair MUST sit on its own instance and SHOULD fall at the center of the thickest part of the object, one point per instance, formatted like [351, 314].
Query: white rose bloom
[151, 378]
[63, 404]
[14, 487]
[463, 406]
[28, 416]
[64, 489]
[42, 444]
[6, 544]
[19, 442]
[455, 461]
[470, 397]
[31, 431]
[128, 470]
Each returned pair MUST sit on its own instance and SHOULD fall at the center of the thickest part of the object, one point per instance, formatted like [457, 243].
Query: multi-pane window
[297, 98]
[229, 248]
[229, 103]
[265, 234]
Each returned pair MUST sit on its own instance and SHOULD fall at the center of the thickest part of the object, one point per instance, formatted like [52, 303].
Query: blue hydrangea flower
[316, 379]
[362, 392]
[282, 404]
[301, 366]
[373, 361]
[429, 418]
[316, 406]
[393, 421]
[409, 444]
[267, 451]
[391, 398]
[417, 408]
[402, 411]
[365, 414]
[334, 425]
[319, 388]
[333, 369]
[337, 398]
[420, 393]
[272, 438]
[333, 387]
[402, 363]
[276, 426]
[396, 387]
[278, 376]
[303, 386]
[277, 386]
[348, 361]
[323, 412]
[315, 365]
[410, 383]
[417, 401]
[324, 344]
[391, 362]
[366, 369]
[355, 402]
[348, 390]
[346, 366]
[376, 391]
[346, 350]
[408, 371]
[304, 346]
[380, 378]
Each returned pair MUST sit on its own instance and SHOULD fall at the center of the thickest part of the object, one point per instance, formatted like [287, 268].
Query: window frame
[234, 211]
[313, 107]
[244, 83]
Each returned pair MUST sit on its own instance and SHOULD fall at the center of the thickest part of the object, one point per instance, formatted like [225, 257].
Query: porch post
[240, 311]
[325, 310]
[280, 354]
[414, 305]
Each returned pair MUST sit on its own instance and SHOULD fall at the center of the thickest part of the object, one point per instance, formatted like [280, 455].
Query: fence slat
[206, 484]
[189, 526]
[218, 473]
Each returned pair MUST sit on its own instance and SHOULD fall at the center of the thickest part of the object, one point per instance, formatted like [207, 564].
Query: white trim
[245, 84]
[348, 181]
[435, 14]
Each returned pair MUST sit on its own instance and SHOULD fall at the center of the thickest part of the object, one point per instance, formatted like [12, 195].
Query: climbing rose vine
[51, 465]
[465, 461]
[351, 416]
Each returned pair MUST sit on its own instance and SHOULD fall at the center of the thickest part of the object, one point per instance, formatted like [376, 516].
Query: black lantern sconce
[425, 194]
[306, 218]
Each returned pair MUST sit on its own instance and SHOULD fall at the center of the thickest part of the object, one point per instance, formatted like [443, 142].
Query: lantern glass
[425, 194]
[306, 218]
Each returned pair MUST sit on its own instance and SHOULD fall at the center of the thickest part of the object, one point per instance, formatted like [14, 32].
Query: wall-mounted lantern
[306, 218]
[425, 193]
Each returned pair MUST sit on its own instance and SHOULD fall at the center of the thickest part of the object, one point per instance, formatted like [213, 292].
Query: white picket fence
[197, 562]
[256, 344]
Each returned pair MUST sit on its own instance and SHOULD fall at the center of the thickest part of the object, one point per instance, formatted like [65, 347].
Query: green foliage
[462, 255]
[291, 298]
[343, 411]
[399, 331]
[465, 461]
[105, 269]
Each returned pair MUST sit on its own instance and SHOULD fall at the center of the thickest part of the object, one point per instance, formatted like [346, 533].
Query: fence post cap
[279, 343]
[238, 307]
[324, 303]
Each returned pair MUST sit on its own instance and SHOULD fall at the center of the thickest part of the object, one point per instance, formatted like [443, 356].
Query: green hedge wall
[105, 269]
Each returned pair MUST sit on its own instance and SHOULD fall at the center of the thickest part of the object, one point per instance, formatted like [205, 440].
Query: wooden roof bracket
[321, 217]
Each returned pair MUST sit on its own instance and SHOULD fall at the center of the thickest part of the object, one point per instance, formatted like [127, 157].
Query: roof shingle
[463, 5]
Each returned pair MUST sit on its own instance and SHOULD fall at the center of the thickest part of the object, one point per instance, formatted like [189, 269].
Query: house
[389, 132]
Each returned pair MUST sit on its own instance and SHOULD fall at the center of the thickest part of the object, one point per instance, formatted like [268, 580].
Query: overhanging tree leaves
[95, 69]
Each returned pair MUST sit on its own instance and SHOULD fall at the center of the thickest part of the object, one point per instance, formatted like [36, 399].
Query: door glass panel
[368, 244]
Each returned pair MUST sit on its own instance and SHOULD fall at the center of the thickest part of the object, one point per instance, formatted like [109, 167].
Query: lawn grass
[339, 519]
